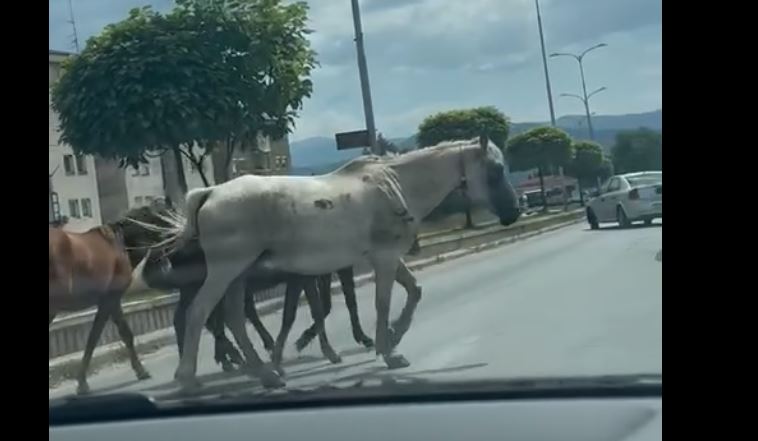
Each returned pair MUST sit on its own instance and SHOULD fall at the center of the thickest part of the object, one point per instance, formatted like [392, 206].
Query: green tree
[464, 124]
[637, 150]
[208, 73]
[606, 170]
[586, 165]
[543, 148]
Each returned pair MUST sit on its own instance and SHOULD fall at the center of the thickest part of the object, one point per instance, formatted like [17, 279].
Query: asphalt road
[569, 302]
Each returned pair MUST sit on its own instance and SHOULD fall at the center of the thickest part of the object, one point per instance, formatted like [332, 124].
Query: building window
[138, 201]
[73, 208]
[86, 207]
[68, 165]
[281, 161]
[81, 164]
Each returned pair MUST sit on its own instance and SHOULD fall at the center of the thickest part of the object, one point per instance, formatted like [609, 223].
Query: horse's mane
[364, 162]
[381, 170]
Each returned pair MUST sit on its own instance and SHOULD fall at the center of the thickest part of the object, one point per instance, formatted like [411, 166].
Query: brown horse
[91, 269]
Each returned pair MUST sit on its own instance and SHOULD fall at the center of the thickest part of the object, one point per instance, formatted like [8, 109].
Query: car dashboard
[629, 414]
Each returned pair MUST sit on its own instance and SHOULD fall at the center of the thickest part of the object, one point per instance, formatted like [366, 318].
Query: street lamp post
[368, 108]
[586, 97]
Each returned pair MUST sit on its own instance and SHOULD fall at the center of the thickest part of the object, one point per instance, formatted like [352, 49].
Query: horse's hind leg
[348, 289]
[128, 338]
[317, 312]
[291, 296]
[223, 267]
[324, 283]
[101, 317]
[252, 314]
[234, 313]
[401, 325]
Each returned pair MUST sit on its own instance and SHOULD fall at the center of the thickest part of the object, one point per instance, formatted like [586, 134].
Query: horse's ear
[484, 142]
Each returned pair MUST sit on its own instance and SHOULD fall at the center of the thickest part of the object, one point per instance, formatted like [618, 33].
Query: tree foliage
[587, 162]
[637, 150]
[540, 147]
[205, 73]
[606, 169]
[464, 124]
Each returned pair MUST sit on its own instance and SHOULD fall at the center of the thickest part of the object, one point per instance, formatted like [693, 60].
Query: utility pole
[73, 26]
[549, 99]
[368, 109]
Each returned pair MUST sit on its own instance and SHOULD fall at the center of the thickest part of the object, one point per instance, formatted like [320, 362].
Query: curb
[66, 367]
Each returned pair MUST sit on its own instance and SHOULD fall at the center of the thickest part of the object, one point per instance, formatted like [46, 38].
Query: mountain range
[319, 154]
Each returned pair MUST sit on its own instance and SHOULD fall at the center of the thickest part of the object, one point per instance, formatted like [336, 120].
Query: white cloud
[429, 55]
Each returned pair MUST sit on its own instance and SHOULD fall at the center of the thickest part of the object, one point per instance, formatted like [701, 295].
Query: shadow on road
[378, 374]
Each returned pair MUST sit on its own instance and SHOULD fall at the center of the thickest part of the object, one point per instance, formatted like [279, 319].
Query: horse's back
[298, 220]
[84, 266]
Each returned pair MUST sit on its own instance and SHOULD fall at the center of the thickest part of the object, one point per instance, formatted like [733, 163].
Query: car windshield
[268, 187]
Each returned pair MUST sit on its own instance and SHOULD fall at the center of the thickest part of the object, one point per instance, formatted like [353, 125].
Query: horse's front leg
[385, 278]
[252, 314]
[224, 351]
[104, 310]
[317, 313]
[324, 285]
[348, 289]
[291, 296]
[399, 327]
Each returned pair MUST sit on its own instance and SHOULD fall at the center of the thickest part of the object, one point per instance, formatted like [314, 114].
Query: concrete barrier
[67, 335]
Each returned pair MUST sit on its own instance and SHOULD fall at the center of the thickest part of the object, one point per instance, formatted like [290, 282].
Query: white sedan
[628, 198]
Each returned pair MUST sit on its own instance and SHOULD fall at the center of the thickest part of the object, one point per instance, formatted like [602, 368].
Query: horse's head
[487, 182]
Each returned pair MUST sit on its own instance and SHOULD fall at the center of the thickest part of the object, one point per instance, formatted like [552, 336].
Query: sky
[426, 56]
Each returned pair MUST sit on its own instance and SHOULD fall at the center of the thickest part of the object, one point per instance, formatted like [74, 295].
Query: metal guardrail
[68, 334]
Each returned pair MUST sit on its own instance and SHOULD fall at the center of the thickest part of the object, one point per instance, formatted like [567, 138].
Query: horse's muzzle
[510, 219]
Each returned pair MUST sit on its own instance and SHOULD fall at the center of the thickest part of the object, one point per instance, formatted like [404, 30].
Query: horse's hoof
[83, 389]
[227, 366]
[143, 375]
[302, 342]
[396, 362]
[269, 379]
[365, 341]
[234, 356]
[333, 357]
[189, 385]
[393, 338]
[280, 371]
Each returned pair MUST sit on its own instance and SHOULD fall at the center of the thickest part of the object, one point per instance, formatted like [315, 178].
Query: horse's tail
[195, 200]
[177, 231]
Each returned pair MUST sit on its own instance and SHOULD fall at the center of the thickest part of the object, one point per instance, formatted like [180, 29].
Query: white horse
[370, 208]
